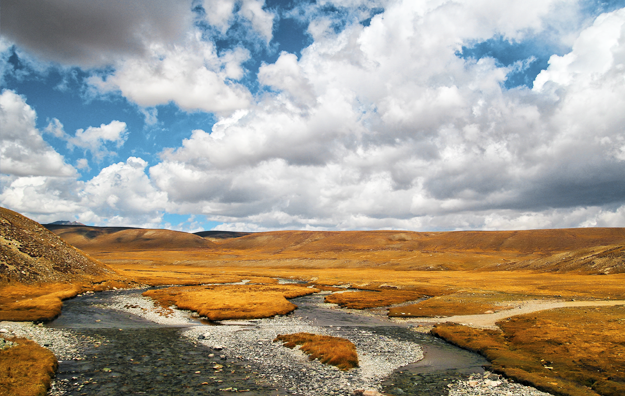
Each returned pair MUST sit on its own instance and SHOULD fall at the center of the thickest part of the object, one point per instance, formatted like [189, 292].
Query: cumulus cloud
[123, 190]
[398, 131]
[23, 151]
[378, 126]
[92, 33]
[121, 194]
[221, 14]
[36, 181]
[95, 138]
[191, 74]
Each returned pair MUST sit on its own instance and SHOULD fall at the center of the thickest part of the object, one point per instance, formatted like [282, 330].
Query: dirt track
[487, 321]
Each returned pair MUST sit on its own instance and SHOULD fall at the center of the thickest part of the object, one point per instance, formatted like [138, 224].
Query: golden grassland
[43, 302]
[430, 283]
[26, 369]
[232, 301]
[567, 351]
[457, 304]
[335, 351]
[490, 251]
[463, 272]
[372, 299]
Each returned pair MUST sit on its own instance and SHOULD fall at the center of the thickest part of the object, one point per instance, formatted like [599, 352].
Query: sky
[258, 115]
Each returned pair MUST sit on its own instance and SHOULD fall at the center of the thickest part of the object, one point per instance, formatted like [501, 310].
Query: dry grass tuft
[455, 304]
[43, 302]
[26, 369]
[372, 299]
[335, 351]
[232, 301]
[35, 302]
[568, 351]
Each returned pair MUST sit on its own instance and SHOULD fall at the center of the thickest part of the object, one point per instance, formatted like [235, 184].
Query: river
[129, 355]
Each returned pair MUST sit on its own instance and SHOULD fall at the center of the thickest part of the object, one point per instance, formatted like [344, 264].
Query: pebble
[489, 384]
[64, 343]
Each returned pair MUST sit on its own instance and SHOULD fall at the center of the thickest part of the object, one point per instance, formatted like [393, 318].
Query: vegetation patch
[26, 369]
[43, 302]
[372, 299]
[34, 302]
[232, 301]
[456, 304]
[568, 351]
[335, 351]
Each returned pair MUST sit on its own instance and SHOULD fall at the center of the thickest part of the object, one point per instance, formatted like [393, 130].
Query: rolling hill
[583, 250]
[128, 239]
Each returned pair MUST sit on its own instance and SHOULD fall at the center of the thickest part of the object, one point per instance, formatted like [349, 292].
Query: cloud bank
[377, 126]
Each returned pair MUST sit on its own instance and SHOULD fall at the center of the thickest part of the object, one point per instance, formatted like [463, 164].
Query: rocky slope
[29, 253]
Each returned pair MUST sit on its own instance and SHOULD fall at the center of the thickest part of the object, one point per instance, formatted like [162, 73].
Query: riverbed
[123, 344]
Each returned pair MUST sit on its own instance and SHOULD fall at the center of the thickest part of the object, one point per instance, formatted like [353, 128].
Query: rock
[4, 331]
[371, 392]
[218, 348]
[201, 337]
[473, 383]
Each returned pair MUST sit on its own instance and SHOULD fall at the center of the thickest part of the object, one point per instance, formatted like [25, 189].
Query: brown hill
[526, 242]
[560, 250]
[29, 253]
[596, 260]
[103, 239]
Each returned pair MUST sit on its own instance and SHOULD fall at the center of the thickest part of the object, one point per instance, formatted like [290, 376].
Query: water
[442, 363]
[132, 356]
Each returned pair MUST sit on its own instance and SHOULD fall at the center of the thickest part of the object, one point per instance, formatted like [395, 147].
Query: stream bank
[178, 355]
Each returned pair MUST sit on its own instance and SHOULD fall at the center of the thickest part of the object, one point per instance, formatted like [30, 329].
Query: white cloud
[261, 21]
[381, 126]
[287, 76]
[23, 151]
[220, 14]
[55, 128]
[399, 132]
[191, 74]
[95, 138]
[124, 190]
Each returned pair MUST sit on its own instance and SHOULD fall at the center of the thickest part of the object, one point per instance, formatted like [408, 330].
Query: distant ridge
[222, 234]
[67, 222]
[91, 238]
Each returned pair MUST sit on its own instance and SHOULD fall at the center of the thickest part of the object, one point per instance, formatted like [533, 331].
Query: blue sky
[356, 114]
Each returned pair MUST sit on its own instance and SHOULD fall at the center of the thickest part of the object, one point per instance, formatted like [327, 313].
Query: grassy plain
[335, 351]
[43, 302]
[568, 351]
[232, 301]
[463, 272]
[26, 369]
[461, 303]
[372, 298]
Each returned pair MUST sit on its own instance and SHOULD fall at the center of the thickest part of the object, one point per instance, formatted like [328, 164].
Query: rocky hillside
[29, 253]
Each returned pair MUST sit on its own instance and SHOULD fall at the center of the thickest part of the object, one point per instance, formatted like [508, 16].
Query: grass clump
[34, 302]
[26, 369]
[232, 301]
[335, 351]
[372, 299]
[454, 304]
[568, 351]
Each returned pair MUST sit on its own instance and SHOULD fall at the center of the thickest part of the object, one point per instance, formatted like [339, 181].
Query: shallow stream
[131, 355]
